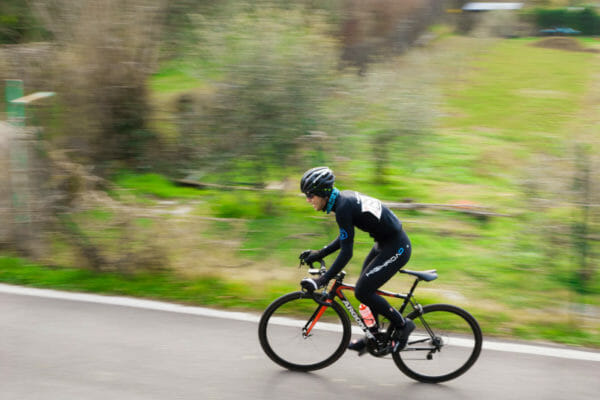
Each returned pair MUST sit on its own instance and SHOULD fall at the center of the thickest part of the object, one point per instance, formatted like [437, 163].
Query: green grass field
[504, 104]
[508, 117]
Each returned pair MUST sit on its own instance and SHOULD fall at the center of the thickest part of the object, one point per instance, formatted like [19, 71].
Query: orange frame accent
[317, 317]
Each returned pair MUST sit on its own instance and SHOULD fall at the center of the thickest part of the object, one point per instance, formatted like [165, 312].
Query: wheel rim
[454, 347]
[286, 340]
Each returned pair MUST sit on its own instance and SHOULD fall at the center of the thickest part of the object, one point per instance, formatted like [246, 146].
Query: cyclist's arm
[345, 242]
[330, 248]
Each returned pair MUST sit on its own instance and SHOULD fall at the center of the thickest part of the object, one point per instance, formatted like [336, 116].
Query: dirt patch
[563, 43]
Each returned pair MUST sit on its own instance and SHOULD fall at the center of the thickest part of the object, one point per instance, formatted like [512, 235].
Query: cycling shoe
[359, 345]
[401, 335]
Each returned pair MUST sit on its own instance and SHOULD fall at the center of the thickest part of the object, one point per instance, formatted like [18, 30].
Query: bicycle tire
[462, 349]
[294, 350]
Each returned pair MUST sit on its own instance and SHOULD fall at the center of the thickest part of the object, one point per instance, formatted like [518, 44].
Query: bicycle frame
[323, 331]
[337, 291]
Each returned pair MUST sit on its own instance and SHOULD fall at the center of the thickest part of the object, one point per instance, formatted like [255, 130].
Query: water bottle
[367, 316]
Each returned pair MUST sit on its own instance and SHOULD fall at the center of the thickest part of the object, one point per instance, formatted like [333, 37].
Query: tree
[270, 96]
[106, 51]
[370, 29]
[18, 24]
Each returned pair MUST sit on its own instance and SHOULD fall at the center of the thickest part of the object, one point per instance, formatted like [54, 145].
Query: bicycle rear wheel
[289, 337]
[444, 345]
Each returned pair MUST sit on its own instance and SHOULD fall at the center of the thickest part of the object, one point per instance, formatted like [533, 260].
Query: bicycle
[307, 331]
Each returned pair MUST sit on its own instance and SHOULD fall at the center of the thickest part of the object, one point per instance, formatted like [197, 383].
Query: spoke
[308, 343]
[440, 326]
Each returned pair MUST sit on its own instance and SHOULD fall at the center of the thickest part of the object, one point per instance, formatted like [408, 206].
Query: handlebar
[312, 270]
[319, 298]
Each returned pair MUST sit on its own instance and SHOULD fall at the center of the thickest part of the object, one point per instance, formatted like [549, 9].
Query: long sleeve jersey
[353, 209]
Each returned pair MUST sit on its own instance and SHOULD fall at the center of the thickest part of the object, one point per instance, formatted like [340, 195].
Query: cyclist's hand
[310, 256]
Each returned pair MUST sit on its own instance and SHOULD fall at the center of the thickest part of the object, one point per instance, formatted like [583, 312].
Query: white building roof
[491, 6]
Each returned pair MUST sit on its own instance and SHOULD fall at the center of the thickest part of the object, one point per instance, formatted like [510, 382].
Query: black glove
[310, 256]
[311, 284]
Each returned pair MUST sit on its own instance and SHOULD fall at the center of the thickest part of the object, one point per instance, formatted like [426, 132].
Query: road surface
[64, 348]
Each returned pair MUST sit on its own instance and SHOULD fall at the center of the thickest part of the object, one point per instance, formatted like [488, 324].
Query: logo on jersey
[343, 234]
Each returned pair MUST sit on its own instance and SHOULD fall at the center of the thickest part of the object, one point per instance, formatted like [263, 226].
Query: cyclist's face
[317, 202]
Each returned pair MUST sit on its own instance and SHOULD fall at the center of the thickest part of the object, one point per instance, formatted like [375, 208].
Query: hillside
[508, 127]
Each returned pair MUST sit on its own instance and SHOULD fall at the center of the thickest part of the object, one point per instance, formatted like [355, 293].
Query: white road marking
[568, 353]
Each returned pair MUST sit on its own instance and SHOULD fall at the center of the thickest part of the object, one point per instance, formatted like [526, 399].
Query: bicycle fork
[312, 321]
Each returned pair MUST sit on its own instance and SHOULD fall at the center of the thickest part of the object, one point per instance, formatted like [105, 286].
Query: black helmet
[318, 181]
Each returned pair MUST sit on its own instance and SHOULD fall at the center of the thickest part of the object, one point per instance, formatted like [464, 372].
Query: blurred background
[154, 148]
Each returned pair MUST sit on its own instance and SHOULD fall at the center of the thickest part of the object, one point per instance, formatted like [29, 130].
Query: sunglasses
[309, 195]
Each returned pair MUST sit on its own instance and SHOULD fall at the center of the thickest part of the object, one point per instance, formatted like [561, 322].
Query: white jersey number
[370, 205]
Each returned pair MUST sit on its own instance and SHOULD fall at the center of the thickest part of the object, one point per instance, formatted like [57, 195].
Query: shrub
[237, 205]
[276, 78]
[585, 20]
[18, 24]
[106, 52]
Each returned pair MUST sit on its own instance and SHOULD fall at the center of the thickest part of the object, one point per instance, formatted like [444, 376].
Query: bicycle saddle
[423, 275]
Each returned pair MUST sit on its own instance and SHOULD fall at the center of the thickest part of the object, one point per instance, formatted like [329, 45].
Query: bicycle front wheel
[444, 345]
[301, 335]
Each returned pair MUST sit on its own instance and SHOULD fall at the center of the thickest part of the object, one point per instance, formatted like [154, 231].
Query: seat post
[409, 295]
[414, 286]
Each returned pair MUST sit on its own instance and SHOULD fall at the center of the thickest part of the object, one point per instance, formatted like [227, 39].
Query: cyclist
[390, 253]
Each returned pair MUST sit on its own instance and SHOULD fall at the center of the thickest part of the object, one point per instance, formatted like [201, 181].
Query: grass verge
[211, 291]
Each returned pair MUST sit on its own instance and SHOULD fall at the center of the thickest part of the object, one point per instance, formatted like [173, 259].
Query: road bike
[307, 331]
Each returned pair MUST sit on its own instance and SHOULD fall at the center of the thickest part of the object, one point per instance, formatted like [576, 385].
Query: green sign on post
[14, 111]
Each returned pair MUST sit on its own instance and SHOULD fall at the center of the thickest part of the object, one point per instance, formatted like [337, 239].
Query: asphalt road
[63, 349]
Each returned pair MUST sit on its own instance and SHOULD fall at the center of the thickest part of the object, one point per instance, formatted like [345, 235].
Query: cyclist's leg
[375, 251]
[393, 255]
[360, 344]
[372, 254]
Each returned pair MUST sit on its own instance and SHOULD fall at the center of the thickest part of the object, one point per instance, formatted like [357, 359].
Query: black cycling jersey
[366, 213]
